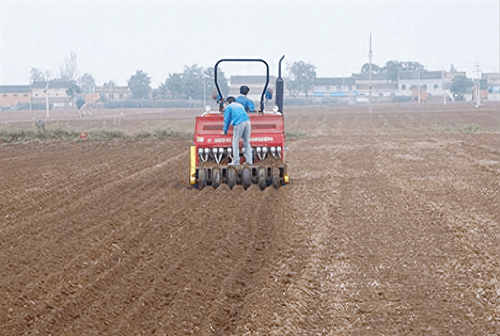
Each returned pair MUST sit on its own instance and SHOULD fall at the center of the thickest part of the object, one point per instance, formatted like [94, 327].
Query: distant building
[12, 95]
[430, 82]
[56, 90]
[92, 98]
[381, 87]
[334, 87]
[111, 91]
[255, 84]
[448, 78]
[492, 85]
[492, 78]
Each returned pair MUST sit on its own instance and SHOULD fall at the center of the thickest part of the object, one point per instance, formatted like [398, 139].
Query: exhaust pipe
[279, 89]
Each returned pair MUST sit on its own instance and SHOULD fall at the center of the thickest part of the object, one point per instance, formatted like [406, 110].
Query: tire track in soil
[100, 277]
[65, 269]
[66, 318]
[413, 228]
[231, 310]
[111, 267]
[225, 243]
[313, 272]
[88, 193]
[47, 233]
[46, 179]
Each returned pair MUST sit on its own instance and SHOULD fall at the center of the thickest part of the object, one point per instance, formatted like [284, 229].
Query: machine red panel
[267, 130]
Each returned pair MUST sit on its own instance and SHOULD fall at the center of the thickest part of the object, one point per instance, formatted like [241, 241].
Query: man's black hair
[230, 99]
[244, 89]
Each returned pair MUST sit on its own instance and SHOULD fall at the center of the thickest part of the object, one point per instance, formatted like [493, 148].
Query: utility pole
[418, 72]
[47, 97]
[370, 55]
[442, 86]
[204, 92]
[31, 93]
[478, 86]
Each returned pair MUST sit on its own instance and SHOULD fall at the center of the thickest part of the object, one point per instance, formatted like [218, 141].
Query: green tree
[87, 83]
[73, 90]
[208, 75]
[139, 85]
[156, 94]
[69, 69]
[193, 82]
[174, 84]
[391, 69]
[188, 84]
[365, 69]
[413, 67]
[162, 92]
[37, 75]
[302, 76]
[460, 86]
[79, 103]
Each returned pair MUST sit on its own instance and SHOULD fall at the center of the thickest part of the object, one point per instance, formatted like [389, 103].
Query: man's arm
[251, 106]
[227, 118]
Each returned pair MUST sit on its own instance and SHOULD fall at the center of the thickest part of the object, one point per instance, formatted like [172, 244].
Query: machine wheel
[262, 178]
[216, 178]
[276, 182]
[202, 178]
[231, 178]
[246, 178]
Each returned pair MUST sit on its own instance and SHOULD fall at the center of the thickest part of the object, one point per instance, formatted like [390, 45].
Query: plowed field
[390, 226]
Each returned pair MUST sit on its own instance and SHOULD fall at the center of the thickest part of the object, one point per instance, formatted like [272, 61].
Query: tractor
[211, 151]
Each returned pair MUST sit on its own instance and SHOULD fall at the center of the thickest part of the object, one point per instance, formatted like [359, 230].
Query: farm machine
[211, 151]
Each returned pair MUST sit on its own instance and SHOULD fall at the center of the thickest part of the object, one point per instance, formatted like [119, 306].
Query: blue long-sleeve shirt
[234, 114]
[247, 103]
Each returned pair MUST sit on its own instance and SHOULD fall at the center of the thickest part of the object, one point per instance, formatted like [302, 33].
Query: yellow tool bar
[192, 164]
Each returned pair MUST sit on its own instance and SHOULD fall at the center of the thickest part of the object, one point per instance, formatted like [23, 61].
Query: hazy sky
[113, 39]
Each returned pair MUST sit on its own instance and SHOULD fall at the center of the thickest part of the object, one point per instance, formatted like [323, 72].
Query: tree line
[193, 83]
[196, 82]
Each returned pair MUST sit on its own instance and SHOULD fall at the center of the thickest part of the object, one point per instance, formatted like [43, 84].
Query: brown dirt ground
[389, 227]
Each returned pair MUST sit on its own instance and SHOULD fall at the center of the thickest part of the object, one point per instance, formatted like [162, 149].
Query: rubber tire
[246, 178]
[202, 178]
[262, 178]
[216, 177]
[276, 182]
[231, 178]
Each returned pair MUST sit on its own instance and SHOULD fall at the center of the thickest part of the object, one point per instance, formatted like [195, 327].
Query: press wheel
[231, 177]
[262, 178]
[246, 178]
[216, 177]
[202, 178]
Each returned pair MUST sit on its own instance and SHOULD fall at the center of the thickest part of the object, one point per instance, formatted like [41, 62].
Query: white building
[492, 85]
[431, 81]
[334, 87]
[380, 87]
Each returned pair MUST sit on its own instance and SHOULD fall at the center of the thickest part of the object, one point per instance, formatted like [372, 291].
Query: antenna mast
[370, 55]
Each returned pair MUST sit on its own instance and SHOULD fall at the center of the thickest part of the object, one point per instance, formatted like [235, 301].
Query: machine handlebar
[221, 104]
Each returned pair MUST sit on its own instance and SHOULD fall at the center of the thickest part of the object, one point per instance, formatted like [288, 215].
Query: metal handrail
[221, 104]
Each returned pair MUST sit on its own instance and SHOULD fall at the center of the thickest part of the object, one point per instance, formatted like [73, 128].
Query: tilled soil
[389, 227]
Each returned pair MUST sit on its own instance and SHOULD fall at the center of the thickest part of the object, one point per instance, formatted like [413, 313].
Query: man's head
[230, 99]
[244, 89]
